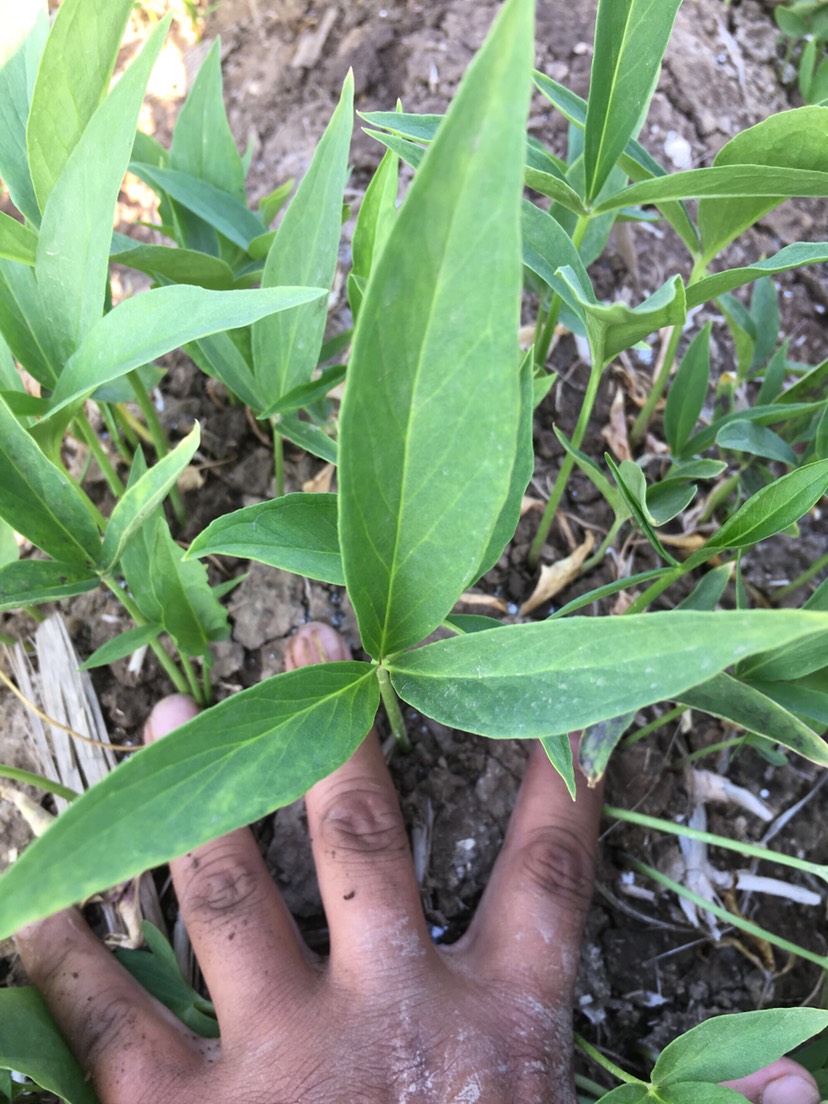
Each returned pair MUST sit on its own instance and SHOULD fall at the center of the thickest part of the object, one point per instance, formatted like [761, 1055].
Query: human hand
[388, 1018]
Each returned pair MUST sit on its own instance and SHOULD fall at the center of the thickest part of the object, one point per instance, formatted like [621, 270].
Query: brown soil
[647, 973]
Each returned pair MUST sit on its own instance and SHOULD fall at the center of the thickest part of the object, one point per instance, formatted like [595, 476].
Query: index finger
[529, 923]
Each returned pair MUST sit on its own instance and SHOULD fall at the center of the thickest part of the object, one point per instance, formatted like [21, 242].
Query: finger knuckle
[109, 1027]
[221, 885]
[363, 820]
[560, 864]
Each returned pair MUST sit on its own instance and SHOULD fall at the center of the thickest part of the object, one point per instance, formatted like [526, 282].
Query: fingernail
[168, 714]
[315, 643]
[791, 1089]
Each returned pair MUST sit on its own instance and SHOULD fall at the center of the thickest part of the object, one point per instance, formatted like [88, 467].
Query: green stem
[642, 422]
[543, 343]
[652, 592]
[719, 493]
[665, 718]
[207, 679]
[174, 675]
[801, 580]
[604, 1062]
[606, 543]
[278, 460]
[159, 438]
[749, 850]
[189, 672]
[711, 749]
[392, 709]
[560, 485]
[89, 435]
[726, 917]
[114, 430]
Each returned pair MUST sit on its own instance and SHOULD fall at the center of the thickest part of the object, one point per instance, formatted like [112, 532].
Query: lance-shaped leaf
[745, 436]
[72, 263]
[190, 611]
[237, 762]
[807, 696]
[17, 241]
[296, 532]
[769, 414]
[203, 144]
[40, 501]
[377, 214]
[145, 327]
[30, 1043]
[143, 496]
[722, 182]
[223, 212]
[305, 250]
[688, 391]
[25, 330]
[30, 582]
[773, 508]
[124, 644]
[789, 140]
[727, 1047]
[752, 710]
[66, 95]
[176, 266]
[25, 28]
[429, 423]
[796, 255]
[558, 675]
[598, 743]
[630, 39]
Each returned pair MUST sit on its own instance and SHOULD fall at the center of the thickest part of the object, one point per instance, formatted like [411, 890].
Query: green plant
[805, 22]
[425, 507]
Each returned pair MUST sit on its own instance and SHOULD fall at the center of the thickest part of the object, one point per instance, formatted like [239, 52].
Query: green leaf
[190, 612]
[796, 255]
[793, 662]
[9, 552]
[305, 251]
[38, 780]
[308, 436]
[471, 622]
[697, 1092]
[596, 477]
[773, 508]
[669, 498]
[607, 591]
[774, 376]
[40, 500]
[636, 1093]
[787, 142]
[636, 162]
[429, 422]
[30, 1043]
[157, 970]
[727, 1047]
[248, 755]
[203, 144]
[307, 393]
[25, 28]
[270, 205]
[547, 247]
[124, 644]
[762, 415]
[630, 39]
[377, 214]
[17, 241]
[66, 95]
[133, 509]
[72, 264]
[614, 327]
[221, 211]
[23, 325]
[178, 266]
[220, 357]
[559, 753]
[707, 593]
[807, 696]
[745, 436]
[295, 533]
[522, 469]
[151, 324]
[747, 707]
[811, 385]
[686, 396]
[598, 743]
[633, 488]
[558, 675]
[30, 582]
